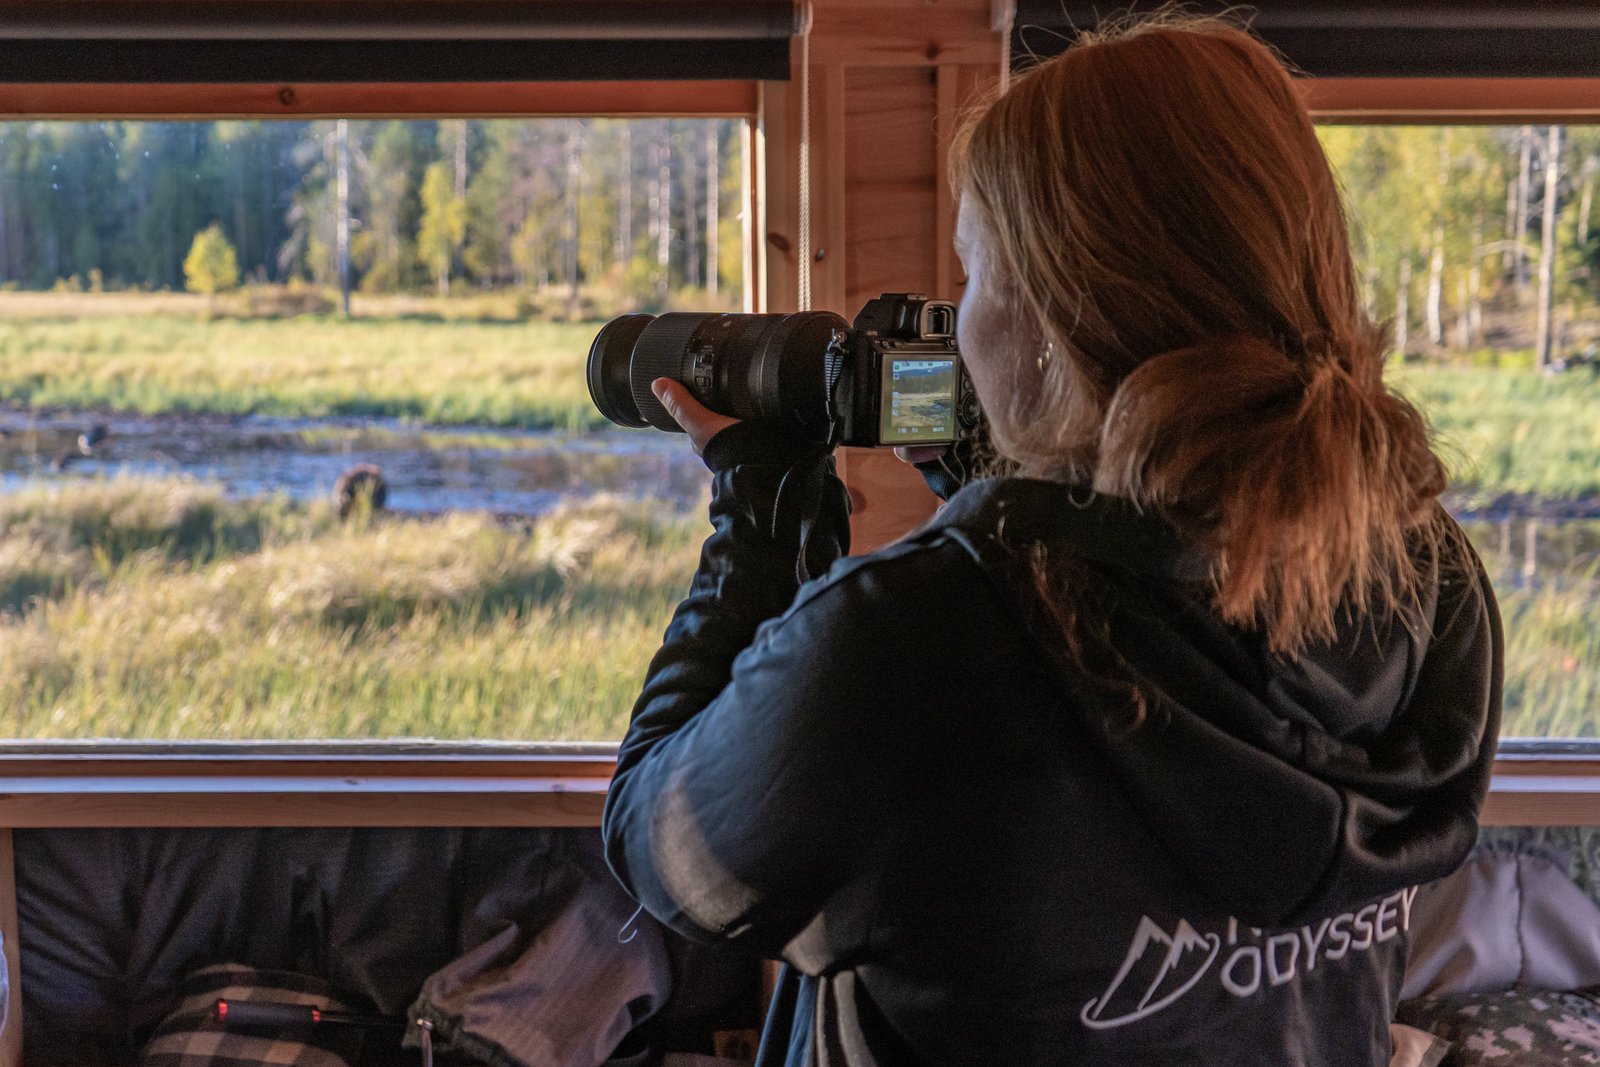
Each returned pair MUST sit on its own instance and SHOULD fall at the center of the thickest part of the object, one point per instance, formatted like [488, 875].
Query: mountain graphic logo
[1158, 969]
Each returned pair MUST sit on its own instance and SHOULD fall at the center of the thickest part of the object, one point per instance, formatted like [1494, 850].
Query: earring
[1043, 358]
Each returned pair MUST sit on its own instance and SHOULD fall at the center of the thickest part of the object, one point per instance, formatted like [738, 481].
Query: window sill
[414, 783]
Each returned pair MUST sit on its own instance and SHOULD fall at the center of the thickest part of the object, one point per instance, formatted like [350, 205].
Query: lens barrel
[609, 360]
[663, 351]
[746, 366]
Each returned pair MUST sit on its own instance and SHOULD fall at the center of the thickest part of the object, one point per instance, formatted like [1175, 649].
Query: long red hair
[1160, 203]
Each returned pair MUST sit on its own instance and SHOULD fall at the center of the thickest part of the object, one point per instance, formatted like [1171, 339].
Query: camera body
[893, 377]
[901, 379]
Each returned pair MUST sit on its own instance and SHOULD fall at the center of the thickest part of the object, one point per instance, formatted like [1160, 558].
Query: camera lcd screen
[919, 401]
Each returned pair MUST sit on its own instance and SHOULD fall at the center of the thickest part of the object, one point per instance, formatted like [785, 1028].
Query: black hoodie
[895, 781]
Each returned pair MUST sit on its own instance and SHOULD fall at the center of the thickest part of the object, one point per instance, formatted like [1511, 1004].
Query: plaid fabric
[191, 1036]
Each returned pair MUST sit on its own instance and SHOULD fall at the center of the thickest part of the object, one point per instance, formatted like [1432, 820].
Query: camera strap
[799, 501]
[799, 505]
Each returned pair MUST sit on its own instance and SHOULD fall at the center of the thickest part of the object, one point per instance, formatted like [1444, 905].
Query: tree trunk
[625, 199]
[1402, 310]
[691, 220]
[1508, 256]
[460, 172]
[1543, 344]
[713, 211]
[5, 230]
[573, 194]
[341, 236]
[664, 209]
[1520, 221]
[1436, 289]
[1436, 259]
[1474, 301]
[1585, 204]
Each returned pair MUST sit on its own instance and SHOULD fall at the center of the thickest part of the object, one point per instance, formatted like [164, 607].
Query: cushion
[1416, 1048]
[1505, 918]
[1526, 1028]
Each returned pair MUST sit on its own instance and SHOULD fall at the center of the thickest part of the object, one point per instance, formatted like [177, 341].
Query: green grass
[1552, 660]
[1511, 431]
[1552, 655]
[162, 609]
[159, 609]
[525, 374]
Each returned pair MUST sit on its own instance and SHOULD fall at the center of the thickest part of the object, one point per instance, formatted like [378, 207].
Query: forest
[1474, 238]
[172, 564]
[645, 206]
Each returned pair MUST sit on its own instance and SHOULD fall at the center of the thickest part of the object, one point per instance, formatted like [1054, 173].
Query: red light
[222, 1010]
[316, 1015]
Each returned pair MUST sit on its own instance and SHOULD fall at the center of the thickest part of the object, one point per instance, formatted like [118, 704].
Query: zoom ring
[662, 352]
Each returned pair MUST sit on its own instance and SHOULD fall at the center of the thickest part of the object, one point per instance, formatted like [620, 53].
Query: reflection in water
[427, 470]
[1544, 558]
[1526, 550]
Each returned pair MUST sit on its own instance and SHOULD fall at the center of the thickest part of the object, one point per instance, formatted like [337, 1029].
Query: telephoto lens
[746, 366]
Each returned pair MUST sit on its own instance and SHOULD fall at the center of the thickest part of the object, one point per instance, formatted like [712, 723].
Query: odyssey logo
[1160, 968]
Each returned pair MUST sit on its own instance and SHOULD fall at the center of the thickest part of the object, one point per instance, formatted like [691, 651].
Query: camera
[893, 377]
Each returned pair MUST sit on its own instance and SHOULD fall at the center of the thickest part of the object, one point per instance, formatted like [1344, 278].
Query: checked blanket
[191, 1036]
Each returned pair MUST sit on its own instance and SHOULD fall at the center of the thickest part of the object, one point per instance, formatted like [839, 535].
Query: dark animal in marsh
[364, 480]
[91, 437]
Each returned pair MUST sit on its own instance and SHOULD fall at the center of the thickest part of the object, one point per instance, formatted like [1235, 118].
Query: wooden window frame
[401, 783]
[345, 783]
[404, 783]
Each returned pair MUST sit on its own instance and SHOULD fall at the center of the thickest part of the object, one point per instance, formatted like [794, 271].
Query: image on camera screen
[919, 401]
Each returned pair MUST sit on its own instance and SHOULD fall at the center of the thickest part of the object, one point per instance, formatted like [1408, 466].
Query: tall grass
[146, 614]
[1511, 431]
[1552, 683]
[161, 609]
[525, 373]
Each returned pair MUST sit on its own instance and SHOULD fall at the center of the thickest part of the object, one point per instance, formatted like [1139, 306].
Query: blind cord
[803, 255]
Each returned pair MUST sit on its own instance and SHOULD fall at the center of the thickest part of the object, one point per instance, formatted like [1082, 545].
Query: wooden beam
[917, 33]
[360, 100]
[1544, 791]
[151, 802]
[1463, 100]
[201, 785]
[154, 791]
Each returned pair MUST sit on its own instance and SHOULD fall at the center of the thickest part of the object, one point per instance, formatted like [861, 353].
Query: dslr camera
[893, 377]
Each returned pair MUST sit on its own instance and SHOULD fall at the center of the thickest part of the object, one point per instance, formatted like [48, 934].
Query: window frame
[410, 783]
[1537, 781]
[400, 782]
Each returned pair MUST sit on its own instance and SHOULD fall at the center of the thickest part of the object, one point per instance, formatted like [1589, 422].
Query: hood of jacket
[1285, 787]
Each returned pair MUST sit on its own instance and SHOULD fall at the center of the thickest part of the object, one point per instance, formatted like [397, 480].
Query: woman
[1137, 756]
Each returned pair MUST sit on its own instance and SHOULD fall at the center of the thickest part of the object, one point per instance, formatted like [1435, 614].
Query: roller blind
[393, 40]
[1391, 39]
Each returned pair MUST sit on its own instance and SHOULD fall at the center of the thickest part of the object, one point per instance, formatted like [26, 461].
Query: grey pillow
[1505, 918]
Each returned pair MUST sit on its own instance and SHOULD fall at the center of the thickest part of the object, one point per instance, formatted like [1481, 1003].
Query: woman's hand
[920, 453]
[697, 420]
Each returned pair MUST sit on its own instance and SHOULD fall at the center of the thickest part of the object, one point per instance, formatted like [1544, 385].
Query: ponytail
[1301, 480]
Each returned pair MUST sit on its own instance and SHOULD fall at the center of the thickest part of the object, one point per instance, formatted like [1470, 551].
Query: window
[1480, 243]
[207, 327]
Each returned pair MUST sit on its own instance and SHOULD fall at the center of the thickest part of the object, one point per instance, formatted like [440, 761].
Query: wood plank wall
[888, 82]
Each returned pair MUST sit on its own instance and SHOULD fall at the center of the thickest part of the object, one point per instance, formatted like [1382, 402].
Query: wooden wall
[888, 82]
